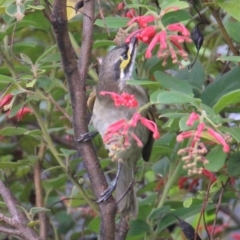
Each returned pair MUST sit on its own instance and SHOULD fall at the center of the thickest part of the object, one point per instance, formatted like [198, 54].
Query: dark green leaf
[138, 227]
[112, 22]
[221, 86]
[233, 165]
[216, 158]
[172, 83]
[161, 167]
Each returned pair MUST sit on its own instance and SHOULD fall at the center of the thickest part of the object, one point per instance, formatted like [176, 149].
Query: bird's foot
[112, 186]
[87, 136]
[107, 193]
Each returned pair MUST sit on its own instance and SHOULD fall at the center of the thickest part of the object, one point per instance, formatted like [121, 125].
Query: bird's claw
[87, 136]
[107, 193]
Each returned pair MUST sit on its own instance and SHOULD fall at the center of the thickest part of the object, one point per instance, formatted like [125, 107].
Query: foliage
[194, 166]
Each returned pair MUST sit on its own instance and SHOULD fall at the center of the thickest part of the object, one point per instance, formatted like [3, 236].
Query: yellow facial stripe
[125, 62]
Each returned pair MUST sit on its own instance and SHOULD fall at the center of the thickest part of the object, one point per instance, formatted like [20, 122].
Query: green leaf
[67, 152]
[112, 22]
[175, 3]
[172, 97]
[12, 131]
[221, 86]
[94, 225]
[161, 167]
[159, 213]
[233, 131]
[145, 83]
[7, 165]
[195, 77]
[138, 227]
[182, 213]
[25, 58]
[175, 16]
[173, 83]
[232, 7]
[33, 211]
[187, 202]
[227, 99]
[216, 158]
[6, 79]
[229, 58]
[233, 29]
[233, 165]
[55, 183]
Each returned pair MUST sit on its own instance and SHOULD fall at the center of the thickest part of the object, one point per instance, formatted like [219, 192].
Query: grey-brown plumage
[105, 113]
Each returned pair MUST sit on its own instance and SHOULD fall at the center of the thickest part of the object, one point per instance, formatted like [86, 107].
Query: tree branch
[76, 77]
[18, 219]
[39, 192]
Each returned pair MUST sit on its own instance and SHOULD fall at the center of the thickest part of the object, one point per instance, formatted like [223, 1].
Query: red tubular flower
[181, 182]
[142, 20]
[178, 27]
[211, 176]
[120, 6]
[6, 100]
[184, 135]
[158, 38]
[147, 34]
[122, 127]
[130, 13]
[219, 139]
[22, 112]
[123, 99]
[152, 126]
[192, 118]
[199, 131]
[236, 236]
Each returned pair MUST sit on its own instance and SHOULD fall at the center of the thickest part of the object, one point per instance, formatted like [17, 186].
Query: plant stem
[173, 175]
[53, 150]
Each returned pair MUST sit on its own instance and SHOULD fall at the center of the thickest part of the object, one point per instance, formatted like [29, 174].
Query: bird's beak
[132, 45]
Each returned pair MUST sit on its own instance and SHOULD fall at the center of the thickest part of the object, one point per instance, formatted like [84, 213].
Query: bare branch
[18, 220]
[10, 231]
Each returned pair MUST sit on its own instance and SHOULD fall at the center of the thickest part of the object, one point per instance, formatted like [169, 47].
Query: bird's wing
[147, 149]
[91, 99]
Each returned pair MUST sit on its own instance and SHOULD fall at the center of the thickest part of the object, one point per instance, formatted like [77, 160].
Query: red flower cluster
[123, 99]
[194, 182]
[20, 113]
[196, 150]
[152, 32]
[122, 128]
[199, 131]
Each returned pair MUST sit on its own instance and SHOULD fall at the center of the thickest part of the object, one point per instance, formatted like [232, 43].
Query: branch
[76, 77]
[18, 220]
[39, 192]
[228, 40]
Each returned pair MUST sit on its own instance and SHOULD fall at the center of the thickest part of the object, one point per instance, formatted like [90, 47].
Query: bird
[114, 72]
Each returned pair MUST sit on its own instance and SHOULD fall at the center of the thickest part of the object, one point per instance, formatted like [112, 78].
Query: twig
[224, 32]
[217, 208]
[39, 192]
[203, 209]
[59, 108]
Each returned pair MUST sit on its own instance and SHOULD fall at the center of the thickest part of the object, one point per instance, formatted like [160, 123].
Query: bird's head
[118, 65]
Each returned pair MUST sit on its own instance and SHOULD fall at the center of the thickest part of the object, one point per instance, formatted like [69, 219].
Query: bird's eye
[125, 56]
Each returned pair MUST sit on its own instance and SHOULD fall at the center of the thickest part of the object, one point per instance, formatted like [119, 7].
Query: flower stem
[173, 175]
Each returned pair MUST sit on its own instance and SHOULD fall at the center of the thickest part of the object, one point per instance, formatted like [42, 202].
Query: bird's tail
[128, 205]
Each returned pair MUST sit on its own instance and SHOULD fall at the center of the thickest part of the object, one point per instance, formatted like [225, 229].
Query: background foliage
[36, 129]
